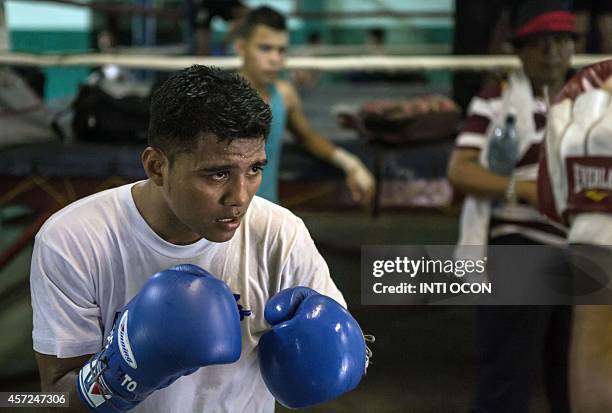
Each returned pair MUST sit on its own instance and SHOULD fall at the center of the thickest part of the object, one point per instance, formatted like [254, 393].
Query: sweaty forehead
[212, 150]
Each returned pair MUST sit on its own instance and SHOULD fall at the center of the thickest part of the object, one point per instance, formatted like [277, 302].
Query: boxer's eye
[219, 176]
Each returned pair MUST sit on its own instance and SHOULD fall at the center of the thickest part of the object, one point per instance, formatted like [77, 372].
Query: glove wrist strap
[93, 390]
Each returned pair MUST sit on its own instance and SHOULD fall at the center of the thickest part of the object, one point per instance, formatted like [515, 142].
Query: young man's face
[546, 58]
[209, 190]
[263, 53]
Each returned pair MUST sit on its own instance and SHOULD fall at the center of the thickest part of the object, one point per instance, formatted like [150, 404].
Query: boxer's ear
[155, 164]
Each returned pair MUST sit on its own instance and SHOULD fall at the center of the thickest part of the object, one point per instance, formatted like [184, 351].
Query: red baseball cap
[542, 16]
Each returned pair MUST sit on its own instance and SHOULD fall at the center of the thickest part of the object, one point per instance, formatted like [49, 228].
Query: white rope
[326, 64]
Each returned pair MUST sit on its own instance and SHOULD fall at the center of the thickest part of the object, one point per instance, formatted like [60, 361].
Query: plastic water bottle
[503, 148]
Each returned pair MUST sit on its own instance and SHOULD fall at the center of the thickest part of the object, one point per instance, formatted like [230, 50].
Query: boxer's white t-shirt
[93, 256]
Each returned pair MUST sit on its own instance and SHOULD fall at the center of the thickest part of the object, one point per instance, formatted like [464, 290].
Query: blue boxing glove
[182, 319]
[315, 351]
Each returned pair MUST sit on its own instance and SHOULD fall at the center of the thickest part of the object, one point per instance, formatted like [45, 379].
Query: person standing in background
[262, 45]
[501, 209]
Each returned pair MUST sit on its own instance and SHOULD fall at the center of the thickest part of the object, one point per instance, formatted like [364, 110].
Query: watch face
[510, 193]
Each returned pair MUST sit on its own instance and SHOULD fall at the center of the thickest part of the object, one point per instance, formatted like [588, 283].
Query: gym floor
[424, 357]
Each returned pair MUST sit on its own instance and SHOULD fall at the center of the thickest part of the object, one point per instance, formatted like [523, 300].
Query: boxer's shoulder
[270, 219]
[81, 216]
[288, 92]
[262, 209]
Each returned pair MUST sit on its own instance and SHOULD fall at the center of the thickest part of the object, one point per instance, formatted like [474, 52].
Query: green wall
[61, 82]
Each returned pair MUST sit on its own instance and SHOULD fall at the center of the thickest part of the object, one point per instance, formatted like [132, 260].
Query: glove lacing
[98, 365]
[368, 338]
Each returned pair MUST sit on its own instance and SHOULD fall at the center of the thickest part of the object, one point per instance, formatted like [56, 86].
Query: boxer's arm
[359, 179]
[298, 125]
[59, 375]
[467, 174]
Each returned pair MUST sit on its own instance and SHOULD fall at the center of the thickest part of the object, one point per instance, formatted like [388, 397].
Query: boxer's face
[209, 190]
[263, 53]
[546, 58]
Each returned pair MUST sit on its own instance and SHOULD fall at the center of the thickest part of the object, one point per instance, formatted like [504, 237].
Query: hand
[315, 350]
[362, 185]
[141, 355]
[575, 175]
[359, 180]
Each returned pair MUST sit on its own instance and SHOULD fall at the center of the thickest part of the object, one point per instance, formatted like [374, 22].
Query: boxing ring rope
[324, 64]
[372, 63]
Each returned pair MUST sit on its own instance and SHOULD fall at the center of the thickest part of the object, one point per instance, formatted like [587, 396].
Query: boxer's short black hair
[200, 101]
[265, 16]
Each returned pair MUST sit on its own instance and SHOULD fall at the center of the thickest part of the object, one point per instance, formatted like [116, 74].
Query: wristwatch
[510, 193]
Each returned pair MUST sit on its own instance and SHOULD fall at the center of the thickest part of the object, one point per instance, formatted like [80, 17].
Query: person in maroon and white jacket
[501, 209]
[575, 189]
[470, 174]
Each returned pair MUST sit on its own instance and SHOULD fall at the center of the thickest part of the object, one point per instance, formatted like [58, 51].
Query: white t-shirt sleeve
[306, 267]
[66, 316]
